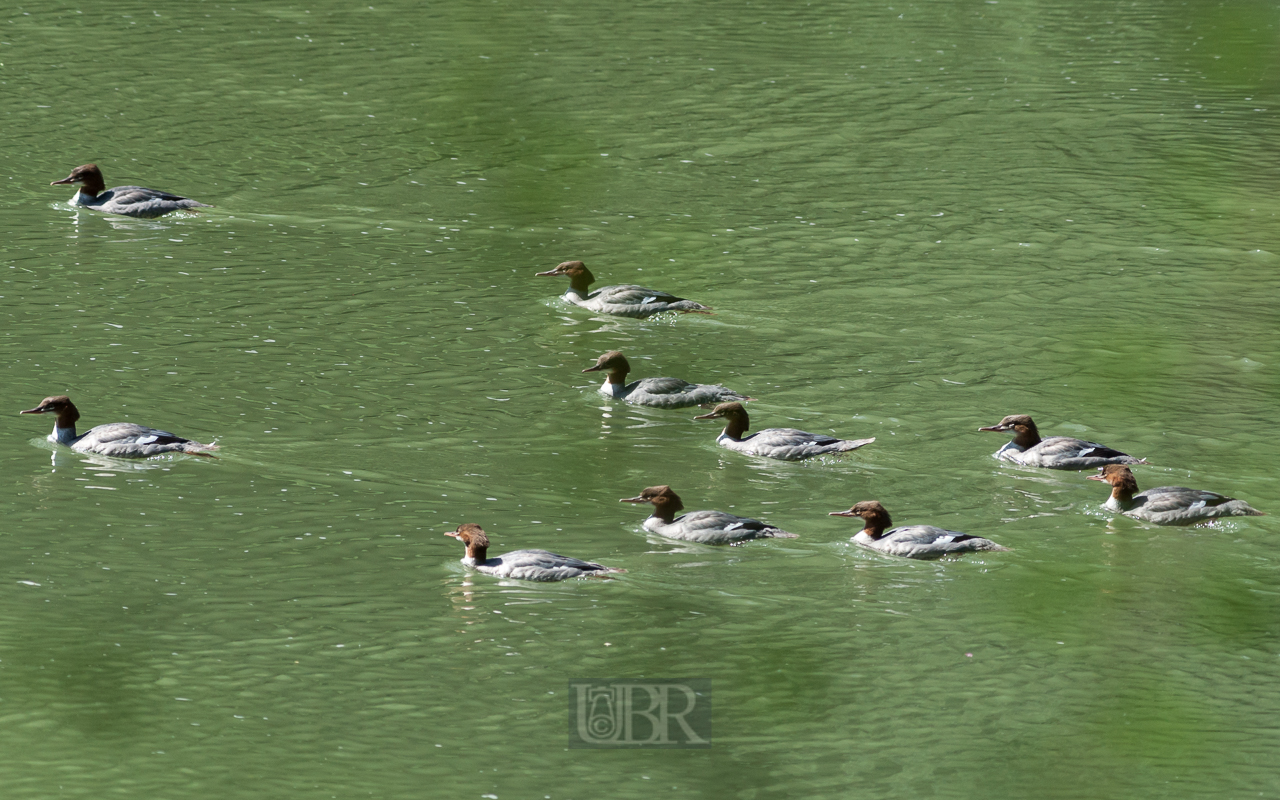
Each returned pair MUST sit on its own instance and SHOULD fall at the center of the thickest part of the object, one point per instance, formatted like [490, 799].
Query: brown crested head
[874, 516]
[89, 176]
[470, 534]
[1118, 475]
[867, 509]
[660, 496]
[1014, 422]
[574, 269]
[58, 404]
[729, 410]
[611, 361]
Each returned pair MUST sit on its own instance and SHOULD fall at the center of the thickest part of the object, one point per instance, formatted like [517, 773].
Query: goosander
[910, 541]
[707, 527]
[525, 565]
[1167, 505]
[656, 392]
[131, 201]
[119, 439]
[625, 300]
[1056, 452]
[787, 444]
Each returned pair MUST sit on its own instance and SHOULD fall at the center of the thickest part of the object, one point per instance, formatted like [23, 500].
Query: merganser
[787, 444]
[707, 527]
[657, 392]
[1167, 505]
[1056, 452]
[525, 565]
[625, 300]
[131, 201]
[910, 541]
[119, 439]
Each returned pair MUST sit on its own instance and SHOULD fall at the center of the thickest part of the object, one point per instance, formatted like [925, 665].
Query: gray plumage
[625, 300]
[706, 527]
[130, 201]
[656, 392]
[910, 541]
[525, 565]
[117, 439]
[1056, 452]
[1167, 505]
[785, 444]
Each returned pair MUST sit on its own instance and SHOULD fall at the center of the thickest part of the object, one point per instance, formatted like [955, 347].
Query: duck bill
[68, 179]
[712, 415]
[596, 368]
[996, 428]
[841, 514]
[633, 500]
[1095, 478]
[454, 534]
[36, 410]
[551, 273]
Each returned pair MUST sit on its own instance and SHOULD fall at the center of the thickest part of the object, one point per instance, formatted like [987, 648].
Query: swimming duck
[656, 392]
[787, 444]
[1056, 452]
[525, 565]
[624, 300]
[707, 527]
[131, 201]
[910, 541]
[119, 439]
[1166, 505]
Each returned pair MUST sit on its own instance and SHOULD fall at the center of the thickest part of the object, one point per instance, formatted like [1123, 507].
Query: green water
[911, 219]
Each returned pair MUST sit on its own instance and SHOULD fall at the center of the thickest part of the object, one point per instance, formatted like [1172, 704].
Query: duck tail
[853, 444]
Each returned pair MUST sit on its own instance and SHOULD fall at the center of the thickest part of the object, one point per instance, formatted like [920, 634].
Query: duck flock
[1164, 505]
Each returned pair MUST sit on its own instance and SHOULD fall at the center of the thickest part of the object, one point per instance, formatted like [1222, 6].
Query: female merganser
[119, 439]
[1167, 505]
[787, 444]
[525, 565]
[707, 527]
[1056, 452]
[657, 392]
[132, 201]
[910, 541]
[624, 300]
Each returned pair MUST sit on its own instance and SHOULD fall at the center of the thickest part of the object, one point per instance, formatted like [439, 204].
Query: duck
[525, 565]
[705, 527]
[787, 444]
[1056, 452]
[624, 300]
[118, 439]
[656, 392]
[1166, 505]
[131, 201]
[909, 541]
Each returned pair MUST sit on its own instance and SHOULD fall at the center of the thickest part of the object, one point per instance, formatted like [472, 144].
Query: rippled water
[911, 220]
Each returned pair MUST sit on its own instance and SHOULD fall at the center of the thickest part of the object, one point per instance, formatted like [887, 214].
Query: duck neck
[667, 509]
[580, 282]
[1026, 437]
[875, 527]
[736, 425]
[616, 377]
[477, 554]
[1121, 495]
[64, 425]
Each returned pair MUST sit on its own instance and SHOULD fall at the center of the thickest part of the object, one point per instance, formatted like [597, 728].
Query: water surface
[910, 219]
